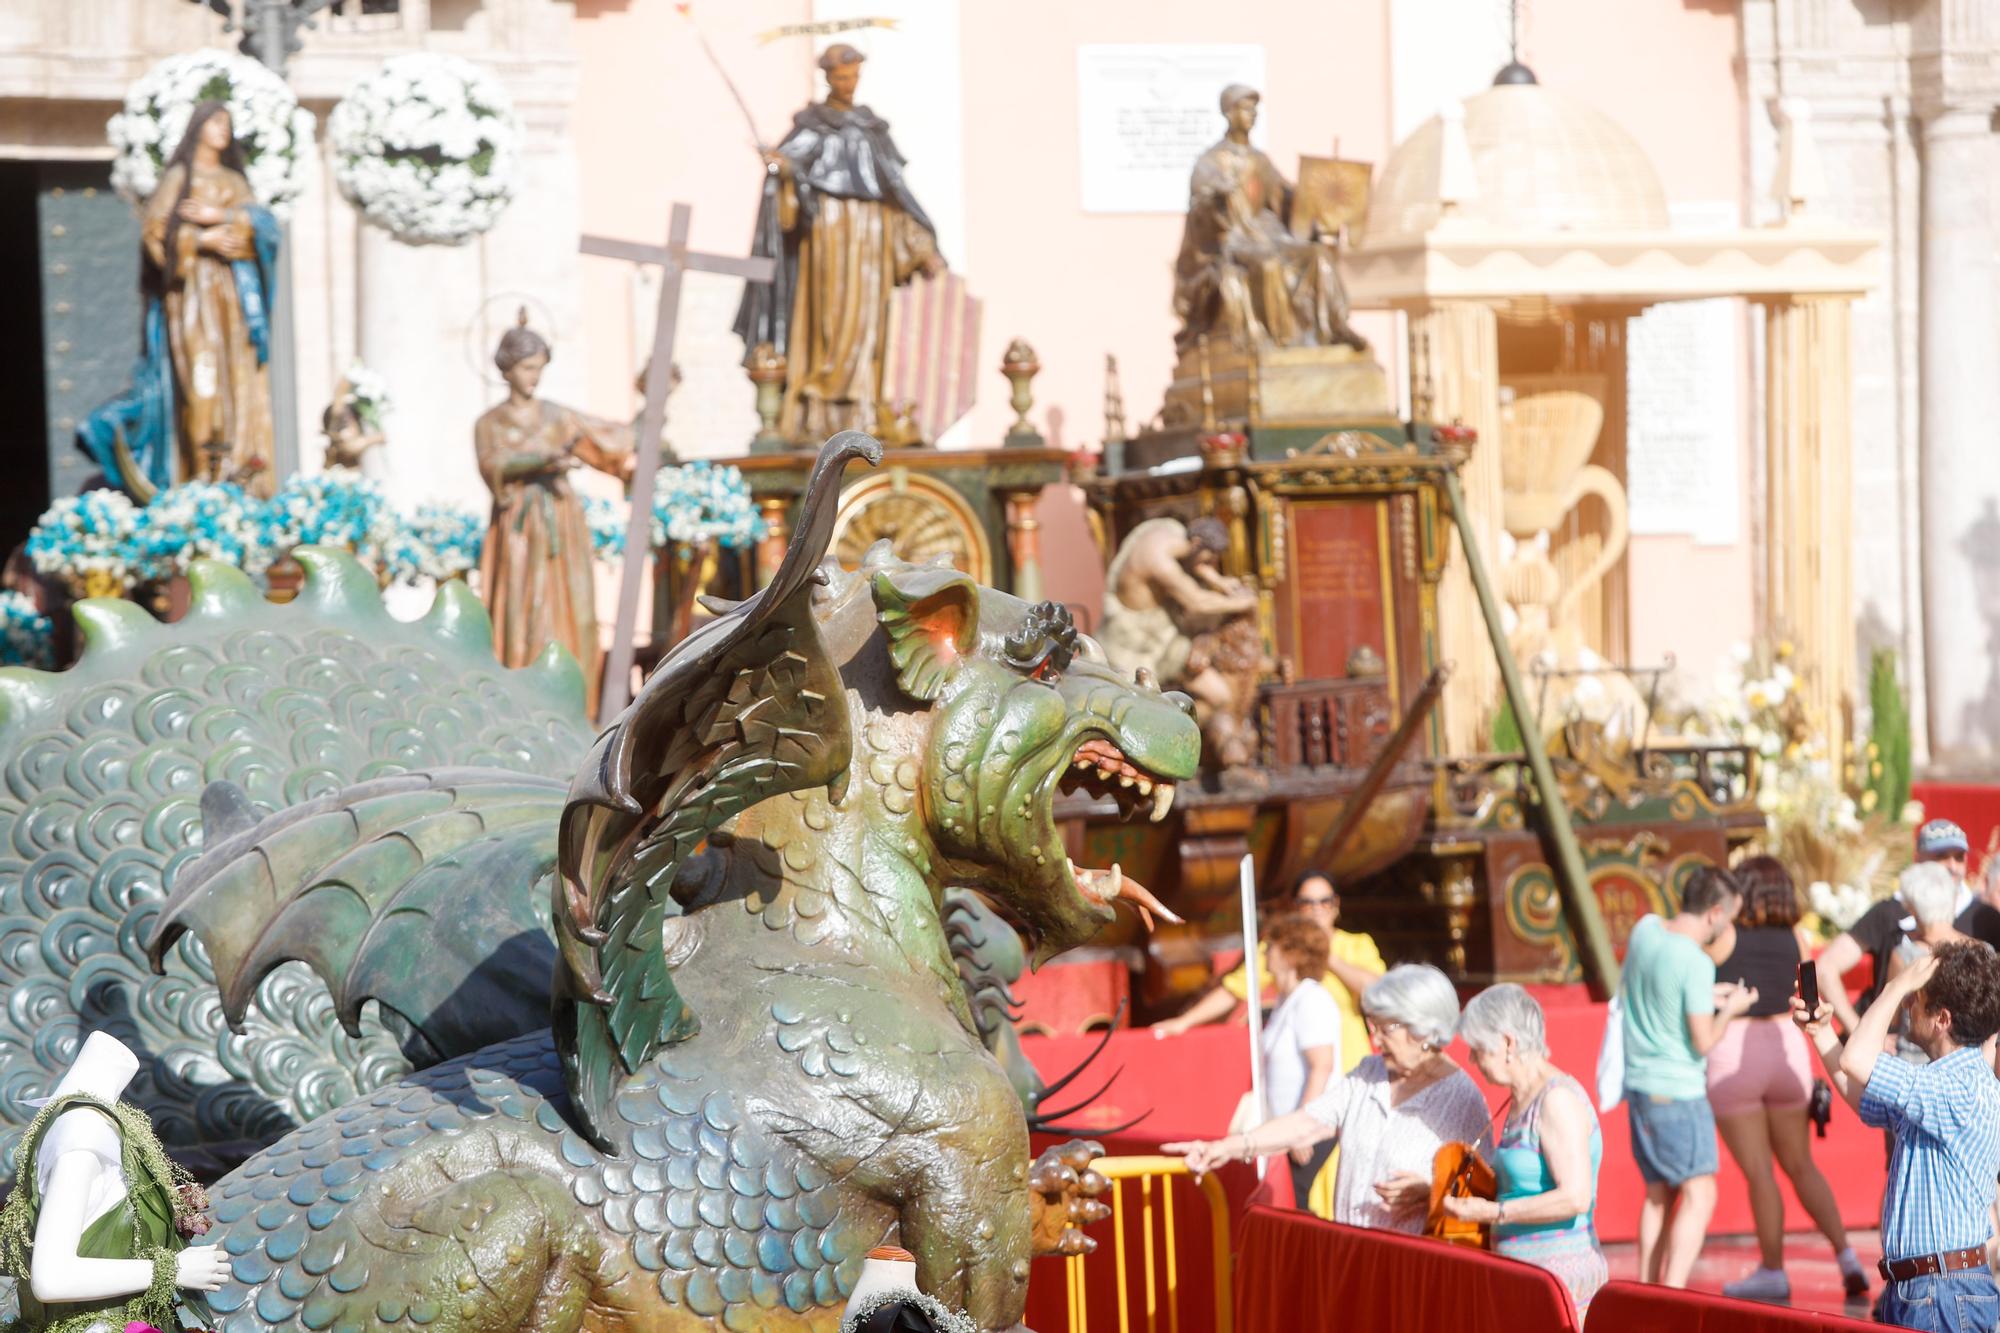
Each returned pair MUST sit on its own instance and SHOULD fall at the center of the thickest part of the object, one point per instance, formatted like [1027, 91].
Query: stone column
[1455, 350]
[1808, 564]
[777, 536]
[1024, 545]
[1959, 472]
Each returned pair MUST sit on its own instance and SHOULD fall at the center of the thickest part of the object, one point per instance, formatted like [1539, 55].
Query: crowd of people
[1711, 1044]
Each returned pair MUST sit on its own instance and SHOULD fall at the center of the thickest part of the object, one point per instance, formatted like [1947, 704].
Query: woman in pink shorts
[1760, 1082]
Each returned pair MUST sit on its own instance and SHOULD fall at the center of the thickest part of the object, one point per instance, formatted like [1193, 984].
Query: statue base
[1215, 387]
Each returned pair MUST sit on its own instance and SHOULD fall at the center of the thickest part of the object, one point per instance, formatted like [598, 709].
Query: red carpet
[1809, 1263]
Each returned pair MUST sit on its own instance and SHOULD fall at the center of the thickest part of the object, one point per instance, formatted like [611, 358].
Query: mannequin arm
[58, 1273]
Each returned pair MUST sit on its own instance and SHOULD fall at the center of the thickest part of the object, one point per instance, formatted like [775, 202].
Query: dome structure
[1542, 160]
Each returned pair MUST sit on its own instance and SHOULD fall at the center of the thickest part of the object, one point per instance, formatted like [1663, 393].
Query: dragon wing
[417, 891]
[748, 707]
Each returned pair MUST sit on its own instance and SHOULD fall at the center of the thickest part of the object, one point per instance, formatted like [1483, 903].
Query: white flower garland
[275, 132]
[426, 148]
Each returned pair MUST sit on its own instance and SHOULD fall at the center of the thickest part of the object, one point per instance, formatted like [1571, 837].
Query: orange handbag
[1458, 1172]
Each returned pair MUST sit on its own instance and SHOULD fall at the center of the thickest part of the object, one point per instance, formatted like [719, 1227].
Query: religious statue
[1171, 613]
[535, 569]
[846, 232]
[200, 405]
[350, 441]
[1242, 273]
[95, 1233]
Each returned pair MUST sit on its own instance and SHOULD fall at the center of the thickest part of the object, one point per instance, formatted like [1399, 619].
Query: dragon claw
[1065, 1197]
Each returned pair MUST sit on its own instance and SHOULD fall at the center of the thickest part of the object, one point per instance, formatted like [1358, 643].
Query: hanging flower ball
[426, 147]
[275, 132]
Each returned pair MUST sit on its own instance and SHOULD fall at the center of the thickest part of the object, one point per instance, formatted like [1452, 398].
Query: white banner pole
[1253, 969]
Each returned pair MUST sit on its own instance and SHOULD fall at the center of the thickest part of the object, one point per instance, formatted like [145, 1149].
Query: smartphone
[1809, 985]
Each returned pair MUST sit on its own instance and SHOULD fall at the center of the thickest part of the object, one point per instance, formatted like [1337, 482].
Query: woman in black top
[1760, 1081]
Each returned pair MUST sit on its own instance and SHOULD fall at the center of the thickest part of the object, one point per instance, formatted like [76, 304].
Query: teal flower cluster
[26, 636]
[435, 542]
[103, 545]
[696, 502]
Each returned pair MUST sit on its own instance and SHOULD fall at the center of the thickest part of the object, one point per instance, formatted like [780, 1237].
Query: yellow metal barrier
[1146, 1170]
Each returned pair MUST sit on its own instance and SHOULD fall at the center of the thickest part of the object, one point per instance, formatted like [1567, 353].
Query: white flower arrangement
[437, 542]
[86, 540]
[197, 520]
[693, 503]
[1839, 906]
[275, 132]
[701, 502]
[426, 148]
[101, 545]
[607, 519]
[368, 395]
[337, 507]
[1822, 833]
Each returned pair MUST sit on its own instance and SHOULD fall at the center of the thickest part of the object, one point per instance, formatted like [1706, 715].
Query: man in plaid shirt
[1945, 1117]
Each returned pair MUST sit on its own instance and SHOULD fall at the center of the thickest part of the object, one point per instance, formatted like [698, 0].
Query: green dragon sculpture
[763, 1059]
[102, 772]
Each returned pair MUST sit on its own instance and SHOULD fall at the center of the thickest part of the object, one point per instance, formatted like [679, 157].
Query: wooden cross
[675, 259]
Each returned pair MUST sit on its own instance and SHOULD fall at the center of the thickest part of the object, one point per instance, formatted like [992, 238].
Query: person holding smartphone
[1945, 1116]
[1760, 1077]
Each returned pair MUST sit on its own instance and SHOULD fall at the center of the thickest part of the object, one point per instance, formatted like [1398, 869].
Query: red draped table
[1296, 1272]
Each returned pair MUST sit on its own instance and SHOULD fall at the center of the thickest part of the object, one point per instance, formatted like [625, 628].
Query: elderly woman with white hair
[1930, 891]
[1548, 1150]
[1390, 1115]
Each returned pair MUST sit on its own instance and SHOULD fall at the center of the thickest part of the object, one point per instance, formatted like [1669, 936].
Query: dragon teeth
[1124, 779]
[1145, 786]
[1163, 800]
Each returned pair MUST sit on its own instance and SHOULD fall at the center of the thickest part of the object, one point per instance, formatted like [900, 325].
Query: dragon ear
[932, 619]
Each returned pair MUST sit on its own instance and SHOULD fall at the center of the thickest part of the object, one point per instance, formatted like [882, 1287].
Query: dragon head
[1023, 706]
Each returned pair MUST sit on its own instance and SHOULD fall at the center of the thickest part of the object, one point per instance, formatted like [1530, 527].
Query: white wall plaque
[1146, 112]
[1683, 427]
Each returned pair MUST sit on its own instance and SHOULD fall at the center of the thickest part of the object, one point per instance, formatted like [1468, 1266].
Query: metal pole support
[1593, 938]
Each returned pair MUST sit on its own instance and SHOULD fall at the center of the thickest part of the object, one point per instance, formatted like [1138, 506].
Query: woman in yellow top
[1353, 963]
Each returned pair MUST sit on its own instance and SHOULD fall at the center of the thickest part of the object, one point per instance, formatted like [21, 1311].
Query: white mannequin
[79, 1171]
[886, 1268]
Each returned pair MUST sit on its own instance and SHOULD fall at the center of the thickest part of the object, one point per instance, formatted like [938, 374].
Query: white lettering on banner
[1146, 112]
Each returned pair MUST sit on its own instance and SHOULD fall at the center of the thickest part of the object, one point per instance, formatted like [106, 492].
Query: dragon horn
[1083, 1064]
[1040, 1126]
[1072, 1110]
[814, 532]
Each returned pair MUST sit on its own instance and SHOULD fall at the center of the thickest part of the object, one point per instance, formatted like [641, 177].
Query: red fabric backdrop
[1630, 1307]
[1976, 809]
[1295, 1272]
[1187, 1087]
[1190, 1084]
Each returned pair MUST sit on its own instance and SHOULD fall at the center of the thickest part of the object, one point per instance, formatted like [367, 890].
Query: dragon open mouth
[1099, 768]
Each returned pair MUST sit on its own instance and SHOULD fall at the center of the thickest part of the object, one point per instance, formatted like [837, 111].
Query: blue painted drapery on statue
[142, 417]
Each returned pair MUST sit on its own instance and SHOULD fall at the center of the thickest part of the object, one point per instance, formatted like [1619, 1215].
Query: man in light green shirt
[1674, 1013]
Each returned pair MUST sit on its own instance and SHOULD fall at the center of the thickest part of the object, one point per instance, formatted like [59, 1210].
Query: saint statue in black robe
[846, 232]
